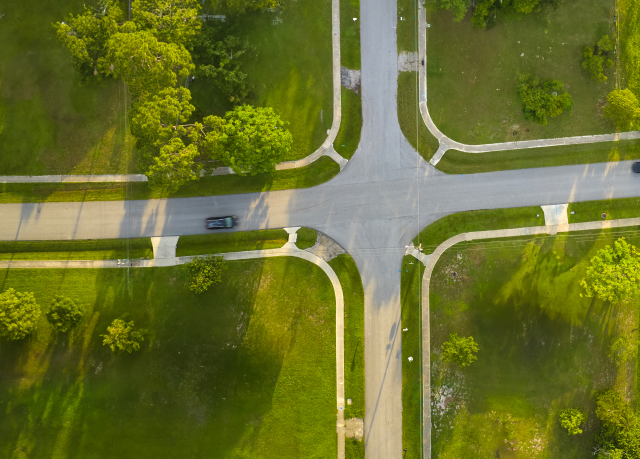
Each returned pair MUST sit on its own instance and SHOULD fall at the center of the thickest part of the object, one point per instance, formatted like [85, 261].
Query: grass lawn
[350, 34]
[411, 291]
[307, 237]
[92, 249]
[290, 70]
[458, 162]
[347, 271]
[348, 137]
[410, 118]
[246, 369]
[477, 220]
[614, 209]
[318, 172]
[51, 123]
[472, 73]
[241, 241]
[542, 347]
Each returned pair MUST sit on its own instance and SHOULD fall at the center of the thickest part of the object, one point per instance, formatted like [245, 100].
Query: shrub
[460, 350]
[122, 337]
[595, 60]
[571, 419]
[542, 99]
[19, 314]
[205, 272]
[64, 313]
[622, 109]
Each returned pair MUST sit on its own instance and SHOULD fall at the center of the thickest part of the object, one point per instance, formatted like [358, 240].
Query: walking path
[426, 281]
[446, 143]
[288, 250]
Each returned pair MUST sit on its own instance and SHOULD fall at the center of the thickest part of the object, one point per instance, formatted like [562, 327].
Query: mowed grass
[542, 347]
[246, 369]
[306, 237]
[50, 122]
[350, 34]
[614, 209]
[200, 244]
[94, 249]
[290, 70]
[472, 74]
[318, 172]
[477, 220]
[458, 162]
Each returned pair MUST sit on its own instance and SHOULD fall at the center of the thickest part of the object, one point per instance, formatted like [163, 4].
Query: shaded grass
[348, 137]
[290, 70]
[477, 220]
[50, 122]
[410, 118]
[411, 287]
[246, 369]
[307, 237]
[542, 346]
[590, 211]
[347, 271]
[318, 172]
[231, 242]
[630, 42]
[93, 249]
[353, 449]
[406, 29]
[472, 73]
[458, 162]
[350, 34]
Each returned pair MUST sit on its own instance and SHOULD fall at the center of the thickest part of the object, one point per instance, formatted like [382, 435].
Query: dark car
[221, 222]
[636, 168]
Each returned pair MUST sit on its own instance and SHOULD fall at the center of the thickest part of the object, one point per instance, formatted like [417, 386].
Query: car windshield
[228, 222]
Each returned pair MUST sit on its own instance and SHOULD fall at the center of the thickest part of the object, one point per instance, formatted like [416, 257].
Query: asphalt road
[373, 208]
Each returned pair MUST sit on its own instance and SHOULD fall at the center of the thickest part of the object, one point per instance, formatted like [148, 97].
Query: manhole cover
[604, 216]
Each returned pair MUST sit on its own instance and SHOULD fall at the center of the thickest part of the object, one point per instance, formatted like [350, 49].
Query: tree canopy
[542, 98]
[459, 350]
[205, 272]
[171, 21]
[614, 272]
[121, 336]
[19, 314]
[64, 313]
[571, 419]
[622, 109]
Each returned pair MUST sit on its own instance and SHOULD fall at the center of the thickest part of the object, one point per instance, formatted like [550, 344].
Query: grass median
[94, 249]
[200, 244]
[246, 369]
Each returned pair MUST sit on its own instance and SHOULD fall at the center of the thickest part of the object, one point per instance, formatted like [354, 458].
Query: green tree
[204, 272]
[457, 7]
[244, 6]
[613, 409]
[622, 349]
[252, 140]
[613, 273]
[86, 35]
[526, 6]
[145, 64]
[481, 13]
[121, 336]
[605, 44]
[542, 99]
[171, 21]
[571, 419]
[461, 351]
[64, 313]
[622, 109]
[19, 314]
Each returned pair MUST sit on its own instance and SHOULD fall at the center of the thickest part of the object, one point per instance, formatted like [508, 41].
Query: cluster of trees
[594, 60]
[486, 10]
[619, 433]
[542, 98]
[151, 53]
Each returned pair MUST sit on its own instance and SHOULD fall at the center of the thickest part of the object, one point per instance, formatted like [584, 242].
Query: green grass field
[348, 137]
[290, 70]
[614, 209]
[307, 237]
[472, 73]
[458, 162]
[49, 121]
[94, 249]
[200, 244]
[246, 369]
[542, 347]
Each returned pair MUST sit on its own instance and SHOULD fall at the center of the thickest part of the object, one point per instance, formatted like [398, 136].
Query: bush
[19, 314]
[64, 314]
[542, 99]
[122, 337]
[205, 272]
[571, 419]
[622, 109]
[460, 350]
[595, 60]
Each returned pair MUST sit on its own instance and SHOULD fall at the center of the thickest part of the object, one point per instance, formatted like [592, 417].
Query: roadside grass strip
[94, 249]
[307, 237]
[458, 162]
[410, 119]
[348, 137]
[477, 220]
[410, 284]
[347, 271]
[350, 34]
[318, 172]
[472, 73]
[246, 369]
[610, 209]
[542, 348]
[200, 244]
